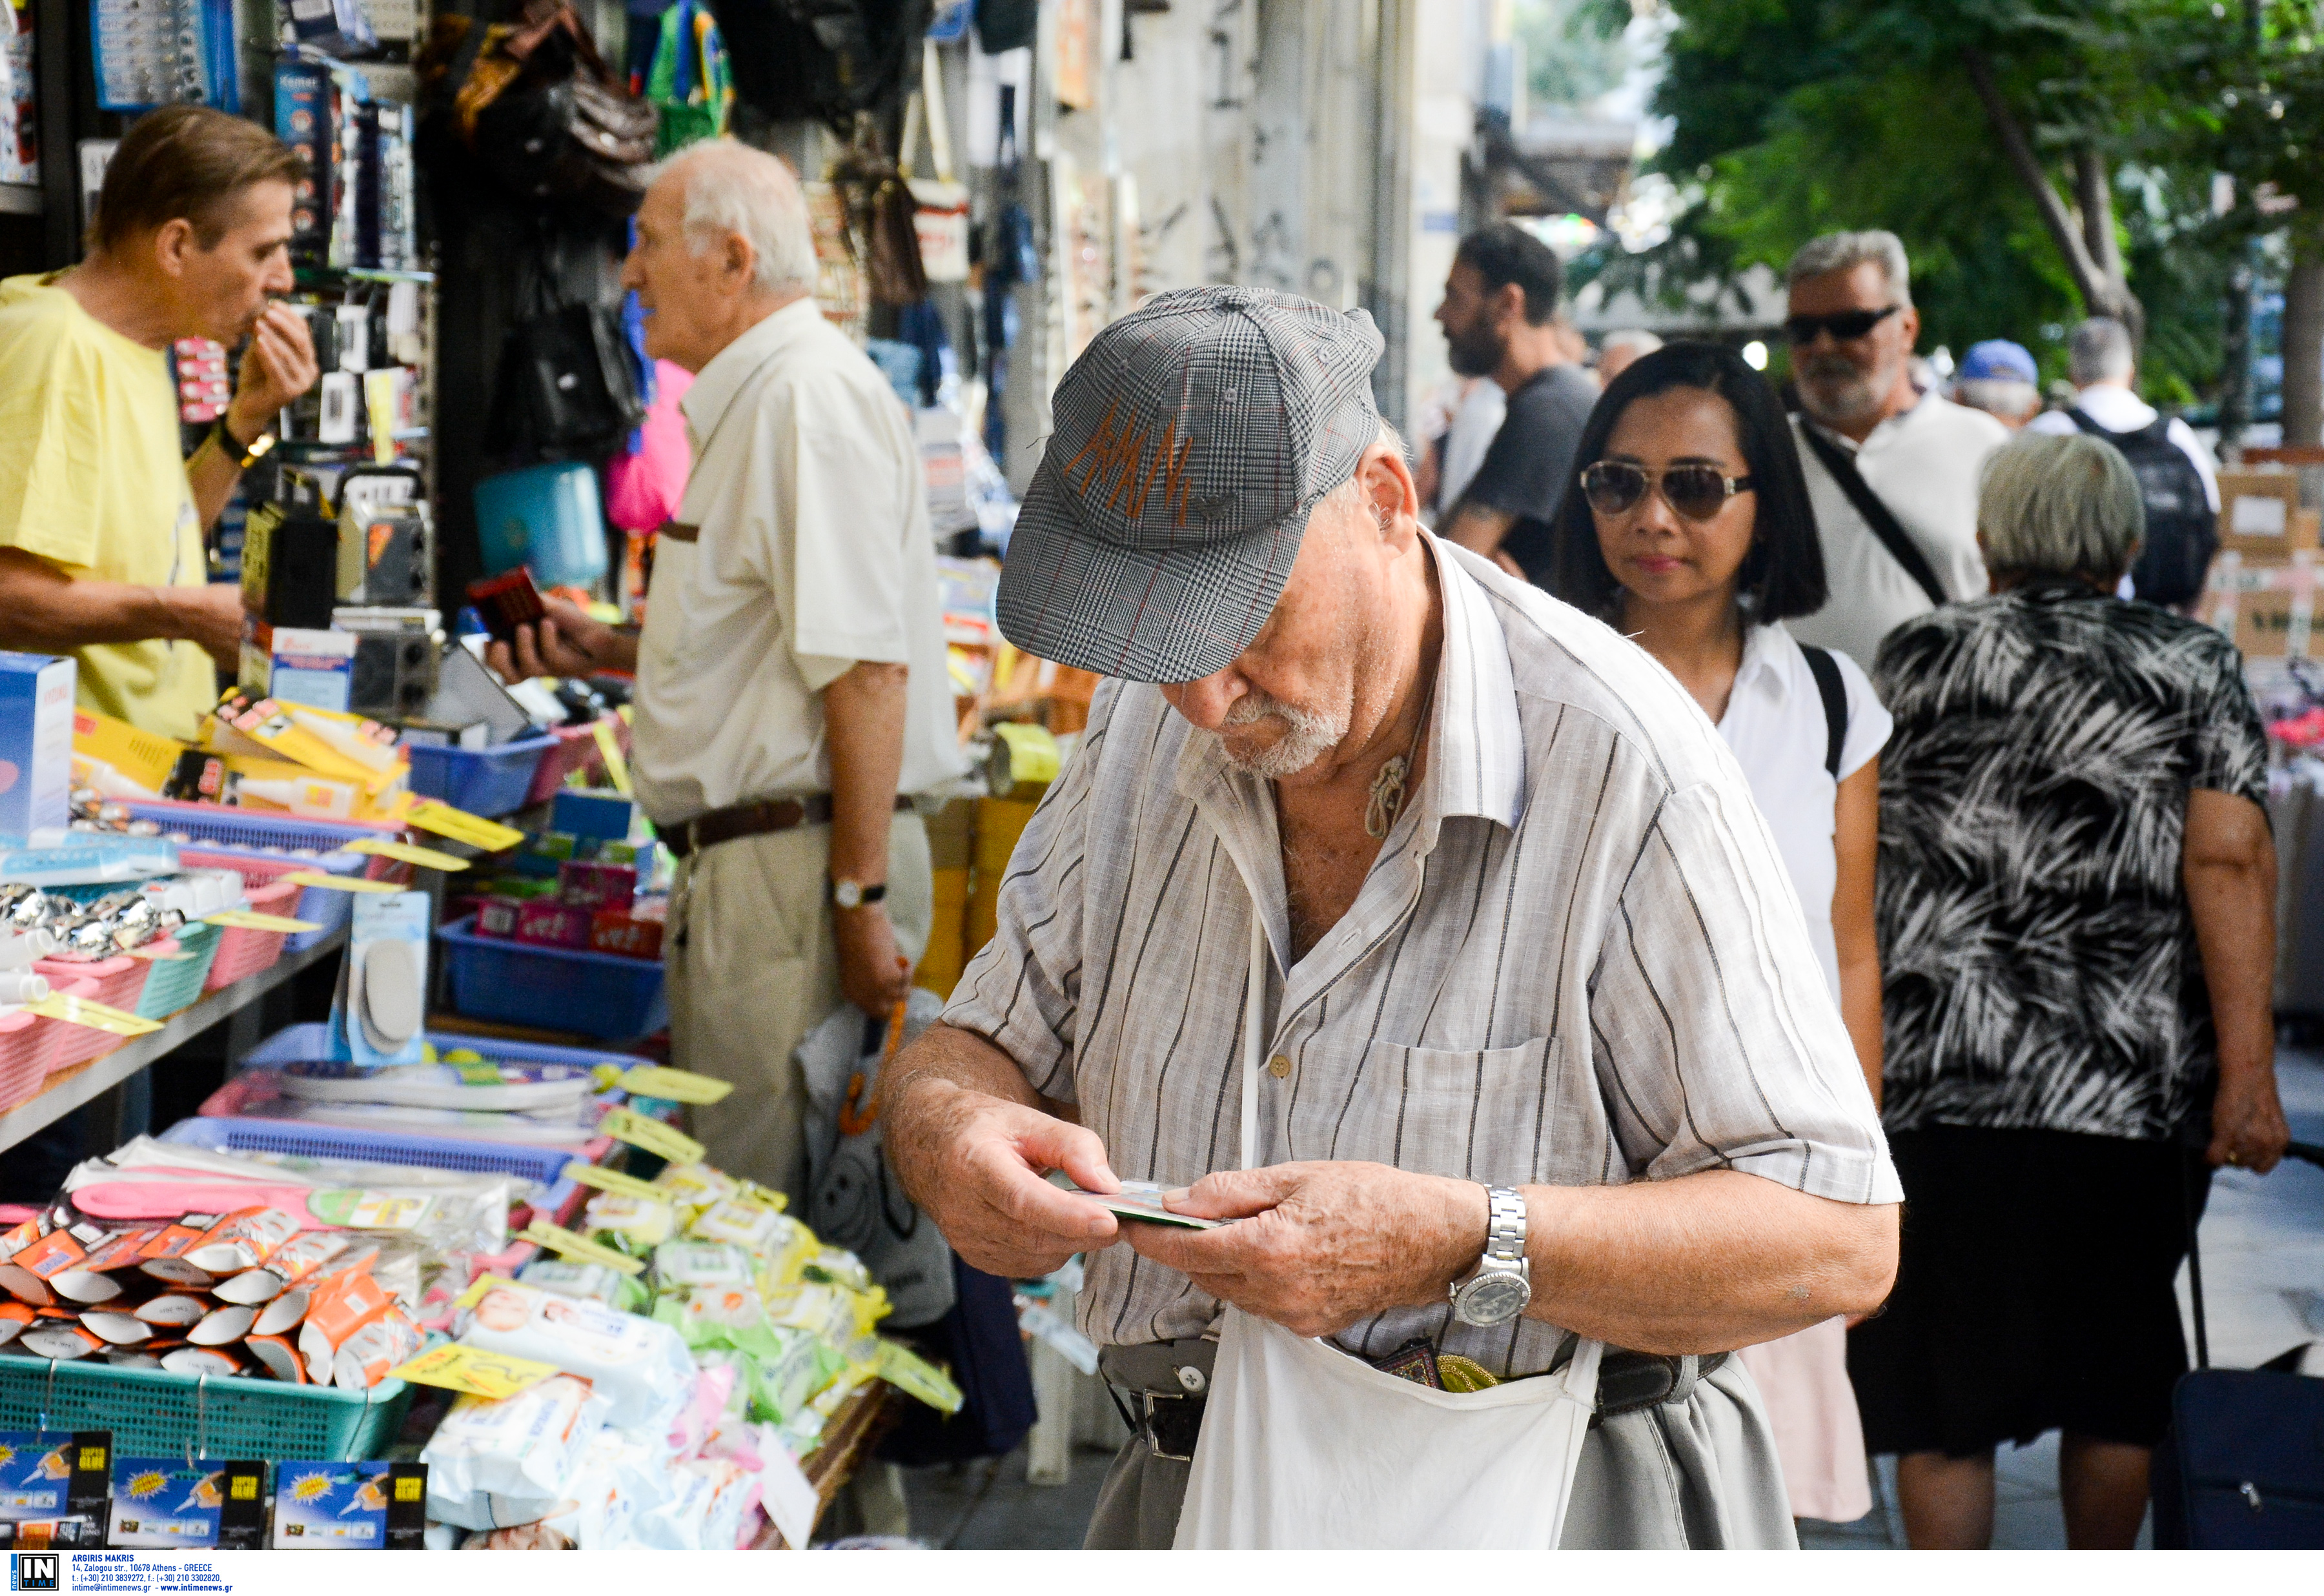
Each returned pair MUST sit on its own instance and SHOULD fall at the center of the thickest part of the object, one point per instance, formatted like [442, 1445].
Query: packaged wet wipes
[620, 1475]
[640, 1366]
[679, 1267]
[492, 1464]
[568, 1277]
[634, 1224]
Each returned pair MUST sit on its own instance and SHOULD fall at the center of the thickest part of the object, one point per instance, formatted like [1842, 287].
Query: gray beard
[1836, 396]
[1307, 737]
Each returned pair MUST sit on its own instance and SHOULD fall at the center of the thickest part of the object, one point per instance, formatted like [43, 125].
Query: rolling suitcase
[2242, 1465]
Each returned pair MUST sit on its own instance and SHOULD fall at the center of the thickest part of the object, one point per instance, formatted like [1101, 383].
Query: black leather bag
[574, 140]
[565, 388]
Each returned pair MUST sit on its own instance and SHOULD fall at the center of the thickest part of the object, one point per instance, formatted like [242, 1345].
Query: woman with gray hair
[2076, 905]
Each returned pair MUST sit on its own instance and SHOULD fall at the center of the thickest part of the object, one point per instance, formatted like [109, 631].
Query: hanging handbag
[563, 387]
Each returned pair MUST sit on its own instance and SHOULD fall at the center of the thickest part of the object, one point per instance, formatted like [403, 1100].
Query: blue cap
[1997, 360]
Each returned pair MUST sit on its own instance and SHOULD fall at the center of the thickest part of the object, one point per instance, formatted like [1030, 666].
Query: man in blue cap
[2000, 378]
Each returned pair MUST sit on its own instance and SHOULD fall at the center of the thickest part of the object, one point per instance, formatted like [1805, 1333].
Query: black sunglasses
[1695, 492]
[1843, 324]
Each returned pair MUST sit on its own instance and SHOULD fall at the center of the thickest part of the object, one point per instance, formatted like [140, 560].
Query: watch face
[847, 894]
[1493, 1298]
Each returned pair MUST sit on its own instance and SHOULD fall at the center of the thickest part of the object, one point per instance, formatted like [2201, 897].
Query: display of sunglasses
[1695, 492]
[1842, 324]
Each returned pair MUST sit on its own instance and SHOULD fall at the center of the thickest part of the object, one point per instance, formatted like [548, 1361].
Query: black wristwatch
[243, 458]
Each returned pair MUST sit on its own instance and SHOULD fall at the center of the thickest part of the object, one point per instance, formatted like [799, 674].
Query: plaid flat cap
[1191, 439]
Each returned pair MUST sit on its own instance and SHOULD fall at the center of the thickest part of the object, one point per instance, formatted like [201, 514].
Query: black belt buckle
[1172, 1424]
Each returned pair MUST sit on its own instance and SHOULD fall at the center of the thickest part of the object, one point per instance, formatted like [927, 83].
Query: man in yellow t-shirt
[101, 519]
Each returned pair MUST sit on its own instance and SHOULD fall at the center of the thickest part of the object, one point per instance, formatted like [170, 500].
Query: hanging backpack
[2183, 533]
[689, 83]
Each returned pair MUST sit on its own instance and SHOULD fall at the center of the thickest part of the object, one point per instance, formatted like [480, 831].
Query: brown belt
[755, 819]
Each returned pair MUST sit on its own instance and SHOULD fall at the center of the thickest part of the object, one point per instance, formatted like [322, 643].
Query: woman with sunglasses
[1689, 530]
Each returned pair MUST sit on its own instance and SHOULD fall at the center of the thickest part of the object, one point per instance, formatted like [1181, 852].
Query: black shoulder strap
[1877, 515]
[1835, 693]
[2087, 423]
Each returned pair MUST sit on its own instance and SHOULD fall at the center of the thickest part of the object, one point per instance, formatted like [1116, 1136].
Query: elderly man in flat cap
[1414, 937]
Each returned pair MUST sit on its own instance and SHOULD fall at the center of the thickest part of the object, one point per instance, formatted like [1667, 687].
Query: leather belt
[755, 819]
[1168, 1386]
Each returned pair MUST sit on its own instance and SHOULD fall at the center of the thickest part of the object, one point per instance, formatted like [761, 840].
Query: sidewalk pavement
[2263, 1246]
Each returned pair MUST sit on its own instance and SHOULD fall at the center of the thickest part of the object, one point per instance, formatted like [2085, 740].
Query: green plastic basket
[153, 1413]
[177, 982]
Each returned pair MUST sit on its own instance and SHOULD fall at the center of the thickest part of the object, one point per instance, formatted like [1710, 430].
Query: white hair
[2060, 505]
[733, 190]
[1636, 340]
[1843, 251]
[2098, 351]
[2005, 397]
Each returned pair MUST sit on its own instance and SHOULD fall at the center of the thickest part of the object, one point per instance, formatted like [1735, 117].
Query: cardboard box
[2260, 514]
[2264, 603]
[635, 933]
[298, 665]
[36, 745]
[548, 923]
[145, 757]
[587, 884]
[496, 915]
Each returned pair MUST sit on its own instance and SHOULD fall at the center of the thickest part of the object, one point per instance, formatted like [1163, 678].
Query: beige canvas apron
[1303, 1446]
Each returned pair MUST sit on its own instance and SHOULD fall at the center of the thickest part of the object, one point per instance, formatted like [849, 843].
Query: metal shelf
[72, 1088]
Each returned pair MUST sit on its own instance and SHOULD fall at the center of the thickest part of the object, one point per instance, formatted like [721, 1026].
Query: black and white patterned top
[2039, 962]
[1577, 960]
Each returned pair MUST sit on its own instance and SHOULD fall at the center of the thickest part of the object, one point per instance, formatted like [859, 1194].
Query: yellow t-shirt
[91, 481]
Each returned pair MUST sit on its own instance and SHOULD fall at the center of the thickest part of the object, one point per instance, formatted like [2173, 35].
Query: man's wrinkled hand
[278, 366]
[567, 641]
[979, 1164]
[1318, 1247]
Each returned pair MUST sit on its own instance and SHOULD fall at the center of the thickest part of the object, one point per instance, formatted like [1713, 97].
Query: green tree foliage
[1794, 117]
[1572, 55]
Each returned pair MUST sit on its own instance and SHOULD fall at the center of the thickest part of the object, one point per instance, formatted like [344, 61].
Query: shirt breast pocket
[1470, 1113]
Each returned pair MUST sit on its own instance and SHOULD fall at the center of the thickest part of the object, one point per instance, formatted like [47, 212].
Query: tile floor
[2263, 1276]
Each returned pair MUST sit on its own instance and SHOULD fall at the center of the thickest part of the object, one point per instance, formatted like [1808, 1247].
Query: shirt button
[1278, 1067]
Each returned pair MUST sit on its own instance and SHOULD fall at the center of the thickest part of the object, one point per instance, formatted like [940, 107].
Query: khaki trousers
[753, 968]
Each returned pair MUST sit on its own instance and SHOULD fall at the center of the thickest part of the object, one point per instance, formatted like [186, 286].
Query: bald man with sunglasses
[1892, 471]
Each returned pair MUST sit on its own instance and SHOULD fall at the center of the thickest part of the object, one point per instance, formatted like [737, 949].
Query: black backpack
[2181, 531]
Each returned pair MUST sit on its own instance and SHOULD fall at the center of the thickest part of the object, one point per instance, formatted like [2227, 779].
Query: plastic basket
[482, 781]
[576, 750]
[26, 1045]
[153, 1412]
[242, 951]
[177, 982]
[554, 988]
[69, 1044]
[320, 905]
[248, 827]
[120, 980]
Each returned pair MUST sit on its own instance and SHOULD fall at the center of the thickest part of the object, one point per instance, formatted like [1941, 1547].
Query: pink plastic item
[242, 951]
[64, 1044]
[642, 489]
[23, 1059]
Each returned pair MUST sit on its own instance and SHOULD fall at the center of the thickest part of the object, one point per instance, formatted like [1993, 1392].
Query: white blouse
[1775, 723]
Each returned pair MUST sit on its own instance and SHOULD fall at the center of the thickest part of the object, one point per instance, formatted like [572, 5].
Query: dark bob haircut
[1782, 575]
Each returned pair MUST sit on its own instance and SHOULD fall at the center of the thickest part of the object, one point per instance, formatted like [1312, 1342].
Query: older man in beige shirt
[791, 677]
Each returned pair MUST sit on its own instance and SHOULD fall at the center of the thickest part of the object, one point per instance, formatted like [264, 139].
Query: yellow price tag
[566, 1244]
[251, 919]
[614, 1180]
[433, 814]
[651, 1135]
[679, 1086]
[78, 1010]
[343, 883]
[494, 1376]
[426, 858]
[915, 1376]
[617, 767]
[474, 1294]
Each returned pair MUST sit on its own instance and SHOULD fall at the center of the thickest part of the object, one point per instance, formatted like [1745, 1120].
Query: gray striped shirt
[1577, 959]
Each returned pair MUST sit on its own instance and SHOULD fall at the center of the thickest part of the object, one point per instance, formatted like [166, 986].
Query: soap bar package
[546, 924]
[36, 745]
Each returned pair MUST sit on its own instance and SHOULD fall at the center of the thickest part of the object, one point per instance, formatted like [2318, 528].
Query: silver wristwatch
[1497, 1289]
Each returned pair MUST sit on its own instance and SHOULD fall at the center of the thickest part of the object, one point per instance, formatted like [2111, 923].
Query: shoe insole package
[382, 992]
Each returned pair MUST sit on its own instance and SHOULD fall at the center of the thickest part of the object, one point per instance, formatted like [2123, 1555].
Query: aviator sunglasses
[1845, 325]
[1695, 492]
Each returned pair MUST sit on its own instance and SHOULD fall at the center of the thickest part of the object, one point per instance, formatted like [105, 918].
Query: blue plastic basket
[553, 988]
[488, 782]
[155, 1412]
[246, 828]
